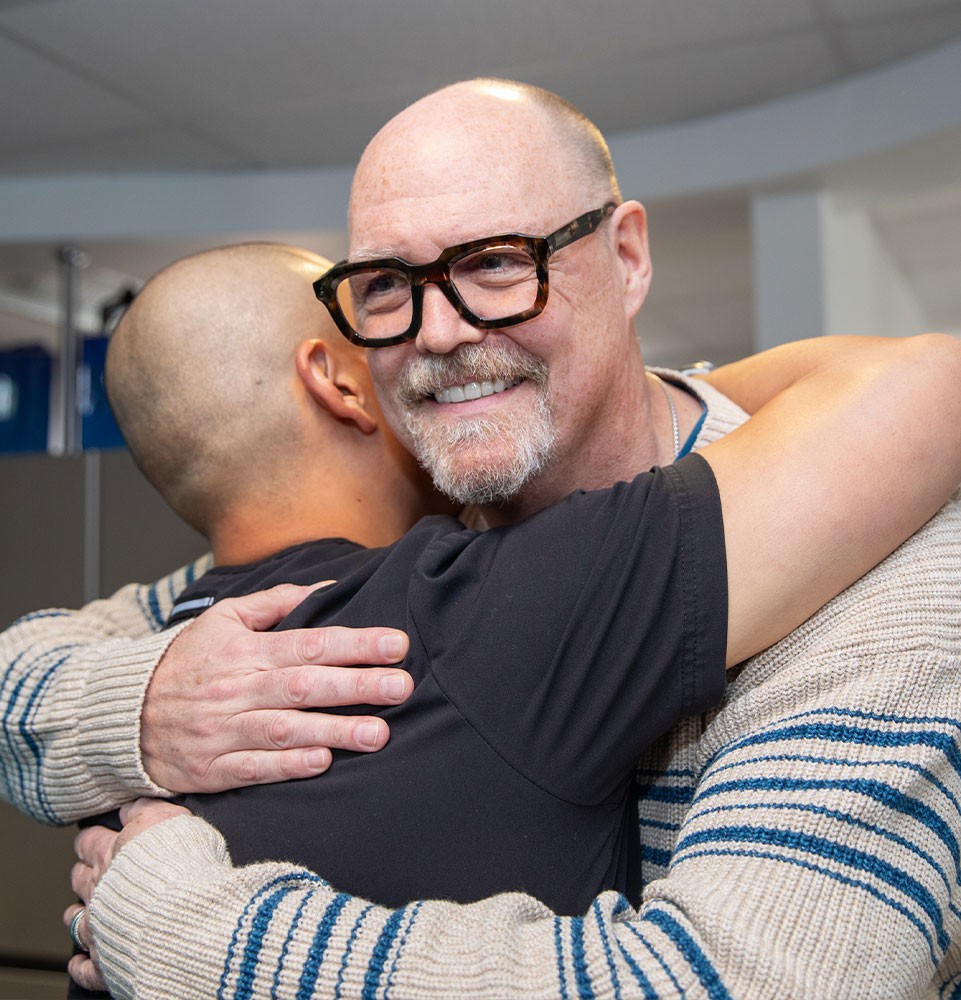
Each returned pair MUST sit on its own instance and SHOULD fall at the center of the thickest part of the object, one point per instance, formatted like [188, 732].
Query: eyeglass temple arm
[581, 226]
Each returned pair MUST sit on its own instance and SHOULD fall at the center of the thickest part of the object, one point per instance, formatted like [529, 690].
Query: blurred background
[799, 160]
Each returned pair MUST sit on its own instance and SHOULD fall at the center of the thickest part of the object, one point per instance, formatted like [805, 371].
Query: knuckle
[248, 768]
[224, 690]
[337, 732]
[279, 730]
[296, 687]
[207, 728]
[317, 645]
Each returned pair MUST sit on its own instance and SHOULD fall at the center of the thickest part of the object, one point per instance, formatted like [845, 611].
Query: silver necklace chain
[675, 427]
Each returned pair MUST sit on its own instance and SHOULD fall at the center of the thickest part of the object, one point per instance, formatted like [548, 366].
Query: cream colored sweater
[804, 841]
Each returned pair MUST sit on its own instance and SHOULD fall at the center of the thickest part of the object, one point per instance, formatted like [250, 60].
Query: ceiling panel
[43, 104]
[694, 83]
[879, 9]
[139, 148]
[876, 43]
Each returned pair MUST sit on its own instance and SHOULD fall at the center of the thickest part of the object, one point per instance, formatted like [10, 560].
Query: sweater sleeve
[71, 686]
[818, 854]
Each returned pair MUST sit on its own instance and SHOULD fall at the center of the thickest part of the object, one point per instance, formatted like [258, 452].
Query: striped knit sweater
[803, 841]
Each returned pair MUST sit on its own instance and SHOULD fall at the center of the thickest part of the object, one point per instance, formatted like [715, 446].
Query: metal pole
[91, 525]
[65, 435]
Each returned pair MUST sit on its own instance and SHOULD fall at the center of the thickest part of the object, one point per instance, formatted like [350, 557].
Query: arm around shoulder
[832, 475]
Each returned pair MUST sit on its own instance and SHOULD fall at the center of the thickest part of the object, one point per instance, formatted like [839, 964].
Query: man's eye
[379, 289]
[500, 265]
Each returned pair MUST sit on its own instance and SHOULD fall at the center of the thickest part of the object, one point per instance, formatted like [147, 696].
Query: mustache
[428, 374]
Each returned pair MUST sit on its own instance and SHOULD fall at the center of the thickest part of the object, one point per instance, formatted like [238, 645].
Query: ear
[331, 385]
[630, 226]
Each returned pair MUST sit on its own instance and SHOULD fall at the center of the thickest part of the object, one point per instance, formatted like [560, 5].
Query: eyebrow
[362, 254]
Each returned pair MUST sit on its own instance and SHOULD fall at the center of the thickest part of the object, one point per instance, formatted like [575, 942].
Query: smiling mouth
[474, 390]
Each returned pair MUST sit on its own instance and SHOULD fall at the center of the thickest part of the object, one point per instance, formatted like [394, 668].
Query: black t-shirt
[546, 655]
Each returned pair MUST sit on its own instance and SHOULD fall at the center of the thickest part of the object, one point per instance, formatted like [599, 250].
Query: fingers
[325, 687]
[146, 812]
[257, 767]
[80, 931]
[84, 973]
[83, 968]
[92, 845]
[83, 880]
[336, 646]
[333, 645]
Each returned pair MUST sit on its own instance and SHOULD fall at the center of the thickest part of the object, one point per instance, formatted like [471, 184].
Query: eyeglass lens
[494, 283]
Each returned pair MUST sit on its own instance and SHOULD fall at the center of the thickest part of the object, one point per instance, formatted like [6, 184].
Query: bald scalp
[470, 106]
[576, 134]
[199, 371]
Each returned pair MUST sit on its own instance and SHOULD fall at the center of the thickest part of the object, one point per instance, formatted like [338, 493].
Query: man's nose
[441, 328]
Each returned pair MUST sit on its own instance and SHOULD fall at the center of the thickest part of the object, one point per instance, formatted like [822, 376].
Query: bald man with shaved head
[496, 273]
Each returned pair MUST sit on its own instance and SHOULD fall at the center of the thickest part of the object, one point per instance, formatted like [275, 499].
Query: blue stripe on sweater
[846, 762]
[634, 930]
[318, 946]
[879, 791]
[559, 952]
[28, 736]
[348, 949]
[620, 907]
[690, 951]
[255, 942]
[378, 957]
[581, 976]
[294, 924]
[294, 881]
[843, 734]
[830, 850]
[889, 835]
[400, 947]
[837, 877]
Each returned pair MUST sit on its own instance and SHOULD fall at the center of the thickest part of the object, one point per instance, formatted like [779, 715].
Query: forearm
[755, 380]
[832, 475]
[274, 930]
[71, 687]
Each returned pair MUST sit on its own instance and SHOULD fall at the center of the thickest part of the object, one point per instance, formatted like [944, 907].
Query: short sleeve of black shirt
[572, 640]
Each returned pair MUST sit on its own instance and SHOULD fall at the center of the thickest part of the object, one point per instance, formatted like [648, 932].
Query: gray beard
[515, 448]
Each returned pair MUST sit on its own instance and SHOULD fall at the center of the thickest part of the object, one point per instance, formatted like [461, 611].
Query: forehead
[429, 181]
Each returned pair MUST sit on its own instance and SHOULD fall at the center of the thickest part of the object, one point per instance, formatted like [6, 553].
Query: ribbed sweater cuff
[109, 717]
[135, 909]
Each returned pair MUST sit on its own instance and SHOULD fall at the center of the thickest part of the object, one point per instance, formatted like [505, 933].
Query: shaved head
[200, 370]
[509, 125]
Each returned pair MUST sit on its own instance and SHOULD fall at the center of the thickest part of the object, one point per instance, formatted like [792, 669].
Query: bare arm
[832, 475]
[757, 379]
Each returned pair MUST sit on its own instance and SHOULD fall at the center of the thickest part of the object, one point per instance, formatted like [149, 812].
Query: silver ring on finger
[75, 930]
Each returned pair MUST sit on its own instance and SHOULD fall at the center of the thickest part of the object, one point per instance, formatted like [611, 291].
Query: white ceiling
[188, 85]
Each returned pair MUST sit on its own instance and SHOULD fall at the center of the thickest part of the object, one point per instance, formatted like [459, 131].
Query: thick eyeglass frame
[437, 272]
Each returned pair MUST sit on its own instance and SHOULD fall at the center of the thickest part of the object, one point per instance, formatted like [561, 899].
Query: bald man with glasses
[565, 401]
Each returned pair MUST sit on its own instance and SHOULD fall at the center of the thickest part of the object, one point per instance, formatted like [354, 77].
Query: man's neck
[257, 530]
[643, 438]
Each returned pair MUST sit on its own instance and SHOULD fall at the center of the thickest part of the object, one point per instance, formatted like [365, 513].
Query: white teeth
[472, 390]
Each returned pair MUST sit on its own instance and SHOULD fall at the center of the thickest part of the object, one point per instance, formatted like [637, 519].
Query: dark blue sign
[25, 374]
